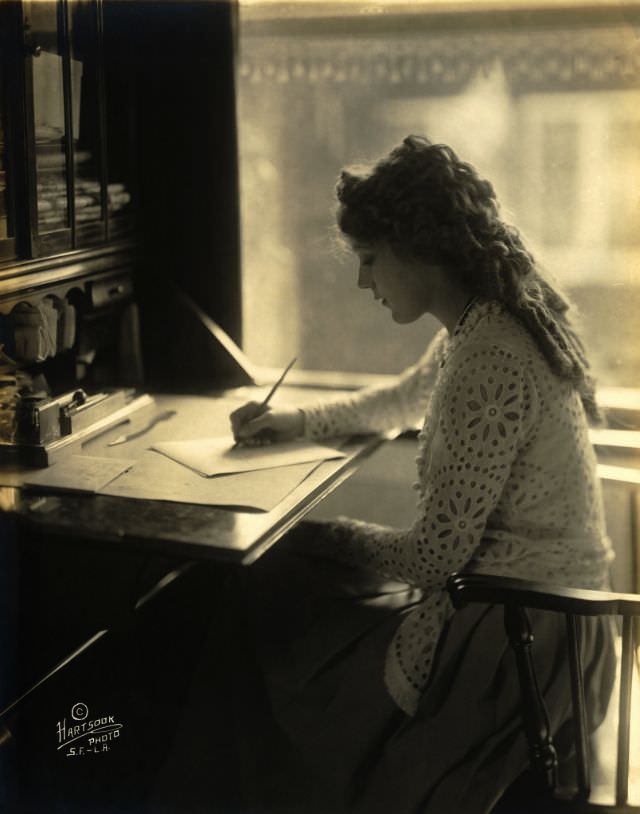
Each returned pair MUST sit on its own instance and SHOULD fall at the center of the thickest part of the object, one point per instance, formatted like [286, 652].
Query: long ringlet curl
[431, 206]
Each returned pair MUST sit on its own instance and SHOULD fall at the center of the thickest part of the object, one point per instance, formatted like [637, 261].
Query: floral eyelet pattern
[459, 522]
[506, 479]
[493, 409]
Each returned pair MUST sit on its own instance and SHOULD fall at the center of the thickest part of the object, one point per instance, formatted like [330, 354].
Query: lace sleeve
[483, 417]
[400, 405]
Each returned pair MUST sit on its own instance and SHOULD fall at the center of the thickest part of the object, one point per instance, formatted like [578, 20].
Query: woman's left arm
[486, 409]
[399, 405]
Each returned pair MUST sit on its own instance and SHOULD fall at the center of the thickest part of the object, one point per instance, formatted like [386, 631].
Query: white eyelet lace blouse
[506, 479]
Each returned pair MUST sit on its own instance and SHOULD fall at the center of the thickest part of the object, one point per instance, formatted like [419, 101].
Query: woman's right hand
[255, 424]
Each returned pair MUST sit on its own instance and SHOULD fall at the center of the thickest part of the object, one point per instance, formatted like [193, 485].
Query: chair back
[516, 596]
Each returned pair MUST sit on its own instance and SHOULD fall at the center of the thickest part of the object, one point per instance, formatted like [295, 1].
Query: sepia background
[546, 107]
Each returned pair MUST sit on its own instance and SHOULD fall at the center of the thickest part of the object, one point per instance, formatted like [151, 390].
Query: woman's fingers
[255, 422]
[240, 417]
[259, 424]
[261, 438]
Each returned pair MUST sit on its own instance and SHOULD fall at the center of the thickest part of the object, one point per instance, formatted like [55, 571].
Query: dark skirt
[322, 630]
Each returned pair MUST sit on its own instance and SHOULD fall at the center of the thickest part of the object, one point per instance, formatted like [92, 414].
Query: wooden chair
[516, 596]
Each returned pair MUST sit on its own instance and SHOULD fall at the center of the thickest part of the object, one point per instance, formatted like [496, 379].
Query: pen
[271, 392]
[265, 402]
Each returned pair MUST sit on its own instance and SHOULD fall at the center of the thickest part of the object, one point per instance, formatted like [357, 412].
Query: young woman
[396, 702]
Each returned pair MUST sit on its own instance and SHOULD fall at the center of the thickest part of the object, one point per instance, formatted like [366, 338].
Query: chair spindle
[624, 712]
[542, 751]
[579, 710]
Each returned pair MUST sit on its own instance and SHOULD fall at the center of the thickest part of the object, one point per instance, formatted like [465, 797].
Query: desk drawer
[112, 290]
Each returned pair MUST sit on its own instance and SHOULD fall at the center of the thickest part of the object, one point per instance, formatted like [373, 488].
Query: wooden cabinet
[118, 157]
[68, 189]
[67, 226]
[10, 149]
[129, 103]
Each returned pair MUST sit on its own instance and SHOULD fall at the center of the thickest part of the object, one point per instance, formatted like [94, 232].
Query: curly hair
[429, 205]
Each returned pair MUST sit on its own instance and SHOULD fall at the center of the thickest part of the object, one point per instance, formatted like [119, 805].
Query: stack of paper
[219, 456]
[207, 470]
[255, 478]
[79, 473]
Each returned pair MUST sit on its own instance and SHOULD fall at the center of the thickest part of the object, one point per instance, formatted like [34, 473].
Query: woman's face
[403, 286]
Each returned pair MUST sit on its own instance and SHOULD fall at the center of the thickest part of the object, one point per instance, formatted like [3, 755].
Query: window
[559, 182]
[540, 101]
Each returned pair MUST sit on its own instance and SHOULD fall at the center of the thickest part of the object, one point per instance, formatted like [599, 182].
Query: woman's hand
[255, 424]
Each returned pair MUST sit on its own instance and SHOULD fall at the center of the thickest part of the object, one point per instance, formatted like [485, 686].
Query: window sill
[324, 379]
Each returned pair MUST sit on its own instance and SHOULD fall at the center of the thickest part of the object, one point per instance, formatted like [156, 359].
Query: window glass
[546, 112]
[49, 115]
[85, 92]
[6, 225]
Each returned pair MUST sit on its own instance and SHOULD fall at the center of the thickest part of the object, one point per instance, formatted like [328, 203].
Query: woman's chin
[403, 318]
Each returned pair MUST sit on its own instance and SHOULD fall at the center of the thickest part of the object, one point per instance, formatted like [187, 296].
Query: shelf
[82, 267]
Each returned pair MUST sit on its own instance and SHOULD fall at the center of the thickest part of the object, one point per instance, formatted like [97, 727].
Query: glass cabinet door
[89, 151]
[66, 130]
[6, 213]
[7, 202]
[45, 40]
[121, 123]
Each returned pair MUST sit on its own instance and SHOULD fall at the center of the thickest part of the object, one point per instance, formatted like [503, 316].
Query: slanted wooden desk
[181, 529]
[113, 540]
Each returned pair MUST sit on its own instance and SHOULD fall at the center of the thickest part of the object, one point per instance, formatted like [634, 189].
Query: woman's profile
[388, 698]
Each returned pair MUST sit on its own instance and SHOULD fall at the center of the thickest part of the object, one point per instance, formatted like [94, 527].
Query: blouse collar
[476, 309]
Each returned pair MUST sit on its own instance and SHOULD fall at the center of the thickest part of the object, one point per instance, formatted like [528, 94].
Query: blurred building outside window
[548, 110]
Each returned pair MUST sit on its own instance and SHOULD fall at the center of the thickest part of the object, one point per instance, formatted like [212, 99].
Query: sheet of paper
[155, 477]
[79, 473]
[218, 456]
